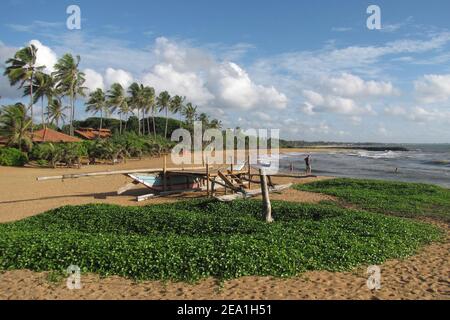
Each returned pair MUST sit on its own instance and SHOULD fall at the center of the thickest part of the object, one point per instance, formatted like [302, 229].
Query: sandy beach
[423, 276]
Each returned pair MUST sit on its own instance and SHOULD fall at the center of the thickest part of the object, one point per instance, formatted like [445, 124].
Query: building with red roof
[91, 134]
[50, 135]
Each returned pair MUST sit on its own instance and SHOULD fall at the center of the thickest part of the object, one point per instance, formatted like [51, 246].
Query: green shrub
[197, 239]
[12, 157]
[398, 198]
[53, 153]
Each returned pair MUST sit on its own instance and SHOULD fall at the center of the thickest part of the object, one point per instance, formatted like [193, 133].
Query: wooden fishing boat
[173, 182]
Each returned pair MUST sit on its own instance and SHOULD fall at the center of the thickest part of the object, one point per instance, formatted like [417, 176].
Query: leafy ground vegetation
[195, 239]
[412, 200]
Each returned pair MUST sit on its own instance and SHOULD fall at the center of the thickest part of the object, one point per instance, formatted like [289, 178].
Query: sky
[312, 69]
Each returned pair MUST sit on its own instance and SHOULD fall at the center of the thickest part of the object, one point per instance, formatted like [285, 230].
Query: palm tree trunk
[71, 111]
[154, 126]
[101, 123]
[148, 124]
[167, 122]
[120, 126]
[31, 102]
[42, 115]
[139, 121]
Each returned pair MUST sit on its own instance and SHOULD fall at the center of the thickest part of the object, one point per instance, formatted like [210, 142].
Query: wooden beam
[127, 187]
[252, 193]
[207, 181]
[227, 181]
[265, 195]
[165, 173]
[249, 171]
[108, 173]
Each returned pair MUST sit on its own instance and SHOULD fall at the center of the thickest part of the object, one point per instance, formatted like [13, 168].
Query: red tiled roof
[49, 135]
[91, 134]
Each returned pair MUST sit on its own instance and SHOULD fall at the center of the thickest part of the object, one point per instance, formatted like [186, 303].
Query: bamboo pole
[108, 173]
[165, 173]
[207, 180]
[265, 194]
[249, 170]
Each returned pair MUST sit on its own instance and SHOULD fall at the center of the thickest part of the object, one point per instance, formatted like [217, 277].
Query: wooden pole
[207, 180]
[165, 173]
[249, 169]
[265, 194]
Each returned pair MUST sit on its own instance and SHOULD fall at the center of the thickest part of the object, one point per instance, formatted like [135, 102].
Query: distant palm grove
[58, 92]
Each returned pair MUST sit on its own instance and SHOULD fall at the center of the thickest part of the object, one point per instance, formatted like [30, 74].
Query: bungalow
[49, 135]
[91, 134]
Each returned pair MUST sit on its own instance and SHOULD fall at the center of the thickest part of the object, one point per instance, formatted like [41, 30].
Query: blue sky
[312, 69]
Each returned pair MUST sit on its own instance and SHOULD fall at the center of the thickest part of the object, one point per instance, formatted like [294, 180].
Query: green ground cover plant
[188, 241]
[411, 200]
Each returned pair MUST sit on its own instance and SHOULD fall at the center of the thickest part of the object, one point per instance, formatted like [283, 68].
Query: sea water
[422, 163]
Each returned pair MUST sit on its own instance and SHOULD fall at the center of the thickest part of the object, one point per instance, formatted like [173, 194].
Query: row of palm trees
[67, 81]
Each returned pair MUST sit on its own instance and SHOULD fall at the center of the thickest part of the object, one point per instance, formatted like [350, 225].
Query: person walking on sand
[308, 164]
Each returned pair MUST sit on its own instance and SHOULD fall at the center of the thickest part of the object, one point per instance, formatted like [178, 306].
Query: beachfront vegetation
[12, 157]
[196, 239]
[136, 107]
[398, 198]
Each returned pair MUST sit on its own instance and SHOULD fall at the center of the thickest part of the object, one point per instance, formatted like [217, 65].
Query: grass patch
[399, 198]
[196, 239]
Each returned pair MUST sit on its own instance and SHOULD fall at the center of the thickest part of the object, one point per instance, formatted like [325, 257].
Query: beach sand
[423, 276]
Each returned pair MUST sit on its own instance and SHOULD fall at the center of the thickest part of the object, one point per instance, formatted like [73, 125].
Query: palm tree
[203, 117]
[149, 107]
[70, 82]
[215, 124]
[97, 103]
[177, 105]
[14, 125]
[55, 112]
[137, 102]
[117, 99]
[44, 87]
[190, 113]
[22, 69]
[163, 102]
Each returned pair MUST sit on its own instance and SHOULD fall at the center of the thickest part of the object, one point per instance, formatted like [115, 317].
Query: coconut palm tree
[55, 112]
[22, 68]
[14, 125]
[70, 82]
[149, 107]
[163, 103]
[117, 100]
[44, 87]
[137, 100]
[177, 105]
[215, 124]
[97, 103]
[190, 113]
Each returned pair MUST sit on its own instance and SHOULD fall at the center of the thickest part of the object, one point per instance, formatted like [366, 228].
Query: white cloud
[395, 111]
[233, 88]
[419, 114]
[333, 104]
[45, 56]
[118, 76]
[94, 80]
[194, 73]
[382, 130]
[349, 85]
[433, 88]
[189, 84]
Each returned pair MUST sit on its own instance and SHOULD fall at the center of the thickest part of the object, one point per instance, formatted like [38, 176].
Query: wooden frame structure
[236, 180]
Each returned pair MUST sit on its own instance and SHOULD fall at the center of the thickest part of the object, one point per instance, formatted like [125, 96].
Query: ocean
[422, 163]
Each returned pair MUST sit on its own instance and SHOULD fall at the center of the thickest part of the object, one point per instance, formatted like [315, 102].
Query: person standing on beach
[308, 164]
